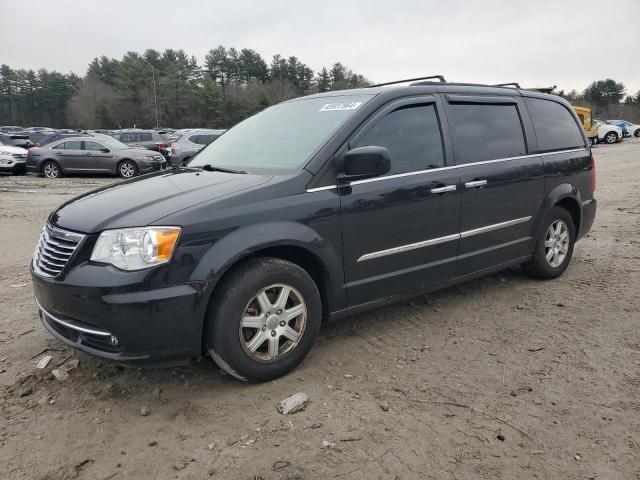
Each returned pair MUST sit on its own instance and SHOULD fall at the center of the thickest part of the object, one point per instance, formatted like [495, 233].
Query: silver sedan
[92, 155]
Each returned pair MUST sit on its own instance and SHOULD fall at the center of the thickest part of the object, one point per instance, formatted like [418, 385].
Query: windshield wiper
[211, 168]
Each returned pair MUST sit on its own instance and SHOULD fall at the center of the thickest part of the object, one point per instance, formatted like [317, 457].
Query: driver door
[96, 158]
[400, 230]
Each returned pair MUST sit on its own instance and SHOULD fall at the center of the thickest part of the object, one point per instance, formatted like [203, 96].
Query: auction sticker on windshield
[332, 107]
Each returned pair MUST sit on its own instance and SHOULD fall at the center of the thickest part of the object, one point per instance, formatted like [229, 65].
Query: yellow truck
[590, 128]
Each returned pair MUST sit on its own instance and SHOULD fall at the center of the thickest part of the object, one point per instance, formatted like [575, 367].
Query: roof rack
[510, 84]
[439, 77]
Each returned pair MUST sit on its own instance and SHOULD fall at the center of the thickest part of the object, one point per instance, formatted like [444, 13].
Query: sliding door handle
[475, 184]
[445, 189]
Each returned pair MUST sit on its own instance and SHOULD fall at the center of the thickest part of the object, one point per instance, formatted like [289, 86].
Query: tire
[611, 138]
[637, 133]
[247, 352]
[540, 266]
[127, 169]
[51, 169]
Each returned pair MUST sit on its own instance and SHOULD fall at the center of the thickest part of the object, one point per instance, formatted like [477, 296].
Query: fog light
[114, 341]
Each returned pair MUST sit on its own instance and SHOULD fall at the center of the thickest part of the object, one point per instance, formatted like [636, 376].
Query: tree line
[172, 89]
[167, 88]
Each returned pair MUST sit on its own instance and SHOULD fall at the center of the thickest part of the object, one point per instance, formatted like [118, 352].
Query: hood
[143, 200]
[10, 150]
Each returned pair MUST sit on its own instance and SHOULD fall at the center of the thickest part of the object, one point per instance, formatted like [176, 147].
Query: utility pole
[155, 95]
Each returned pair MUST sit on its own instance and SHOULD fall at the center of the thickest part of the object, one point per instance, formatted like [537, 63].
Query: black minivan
[314, 209]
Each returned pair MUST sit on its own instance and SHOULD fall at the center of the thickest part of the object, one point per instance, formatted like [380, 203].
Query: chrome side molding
[439, 240]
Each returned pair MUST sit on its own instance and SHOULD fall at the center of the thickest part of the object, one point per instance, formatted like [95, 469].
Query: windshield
[111, 143]
[282, 138]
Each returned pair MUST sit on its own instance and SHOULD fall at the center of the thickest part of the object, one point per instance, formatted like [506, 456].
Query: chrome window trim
[64, 323]
[446, 238]
[451, 167]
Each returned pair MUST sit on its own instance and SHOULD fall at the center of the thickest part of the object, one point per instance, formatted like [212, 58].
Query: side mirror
[364, 162]
[105, 150]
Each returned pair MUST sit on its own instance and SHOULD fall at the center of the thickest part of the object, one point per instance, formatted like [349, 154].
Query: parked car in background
[608, 133]
[10, 128]
[187, 144]
[60, 134]
[36, 136]
[311, 210]
[86, 154]
[590, 128]
[150, 139]
[12, 159]
[628, 129]
[38, 129]
[16, 139]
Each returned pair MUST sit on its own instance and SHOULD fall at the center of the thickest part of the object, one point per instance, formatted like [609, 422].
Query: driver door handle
[445, 189]
[475, 184]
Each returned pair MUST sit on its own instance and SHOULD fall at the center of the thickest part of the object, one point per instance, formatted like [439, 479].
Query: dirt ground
[504, 377]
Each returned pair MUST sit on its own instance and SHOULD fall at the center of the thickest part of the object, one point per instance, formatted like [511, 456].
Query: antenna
[439, 77]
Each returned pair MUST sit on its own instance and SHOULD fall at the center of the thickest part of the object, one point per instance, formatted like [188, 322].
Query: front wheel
[51, 169]
[611, 137]
[554, 247]
[637, 133]
[127, 169]
[263, 320]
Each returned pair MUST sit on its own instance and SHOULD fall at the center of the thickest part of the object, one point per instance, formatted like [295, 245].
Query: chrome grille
[54, 249]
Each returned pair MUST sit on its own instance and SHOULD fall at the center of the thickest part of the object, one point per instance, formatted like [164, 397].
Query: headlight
[146, 157]
[136, 248]
[6, 161]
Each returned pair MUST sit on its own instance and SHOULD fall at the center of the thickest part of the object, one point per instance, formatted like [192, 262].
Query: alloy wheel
[51, 170]
[273, 323]
[127, 170]
[611, 137]
[556, 243]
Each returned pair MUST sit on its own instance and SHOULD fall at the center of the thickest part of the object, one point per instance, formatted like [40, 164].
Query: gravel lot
[504, 377]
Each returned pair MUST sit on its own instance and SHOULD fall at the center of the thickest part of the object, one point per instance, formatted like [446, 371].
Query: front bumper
[124, 322]
[152, 166]
[16, 166]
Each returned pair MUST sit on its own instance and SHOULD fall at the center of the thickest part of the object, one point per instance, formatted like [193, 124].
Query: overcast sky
[535, 42]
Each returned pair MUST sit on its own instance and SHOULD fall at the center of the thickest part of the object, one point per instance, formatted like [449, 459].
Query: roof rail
[439, 77]
[510, 84]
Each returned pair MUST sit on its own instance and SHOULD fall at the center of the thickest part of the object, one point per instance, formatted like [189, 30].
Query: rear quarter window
[556, 128]
[486, 132]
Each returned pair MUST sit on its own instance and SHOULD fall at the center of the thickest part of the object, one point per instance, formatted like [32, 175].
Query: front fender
[245, 241]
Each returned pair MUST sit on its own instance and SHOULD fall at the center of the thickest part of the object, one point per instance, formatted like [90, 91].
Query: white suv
[608, 133]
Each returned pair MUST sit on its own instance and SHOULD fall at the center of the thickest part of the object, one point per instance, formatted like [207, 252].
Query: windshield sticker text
[332, 107]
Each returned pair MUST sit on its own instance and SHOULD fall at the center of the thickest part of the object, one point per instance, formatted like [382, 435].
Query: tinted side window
[555, 126]
[93, 146]
[485, 132]
[203, 139]
[412, 136]
[126, 138]
[70, 145]
[144, 137]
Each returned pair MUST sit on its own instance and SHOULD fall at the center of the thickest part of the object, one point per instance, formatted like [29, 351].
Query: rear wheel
[554, 247]
[611, 137]
[637, 133]
[51, 169]
[127, 169]
[264, 319]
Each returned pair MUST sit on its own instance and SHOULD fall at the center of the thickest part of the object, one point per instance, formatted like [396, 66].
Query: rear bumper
[589, 208]
[124, 324]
